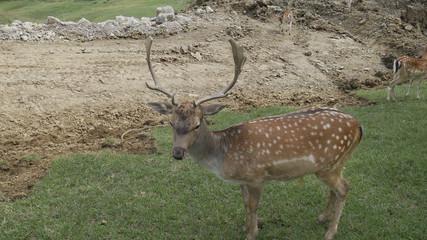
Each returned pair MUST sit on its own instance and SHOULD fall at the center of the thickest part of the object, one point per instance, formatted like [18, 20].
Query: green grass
[109, 196]
[94, 10]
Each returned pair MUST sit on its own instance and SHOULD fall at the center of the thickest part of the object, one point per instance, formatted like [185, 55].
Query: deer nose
[178, 153]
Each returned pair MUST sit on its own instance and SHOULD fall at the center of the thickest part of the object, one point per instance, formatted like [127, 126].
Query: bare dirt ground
[69, 97]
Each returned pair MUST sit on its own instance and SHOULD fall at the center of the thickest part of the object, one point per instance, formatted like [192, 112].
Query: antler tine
[239, 61]
[157, 85]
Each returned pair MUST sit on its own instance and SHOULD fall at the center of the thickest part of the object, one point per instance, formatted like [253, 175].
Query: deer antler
[157, 85]
[239, 61]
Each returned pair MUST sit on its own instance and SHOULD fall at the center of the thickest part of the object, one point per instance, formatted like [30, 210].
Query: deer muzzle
[178, 153]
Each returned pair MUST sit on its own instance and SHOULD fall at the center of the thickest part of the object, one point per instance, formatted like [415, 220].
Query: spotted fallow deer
[314, 140]
[409, 68]
[286, 19]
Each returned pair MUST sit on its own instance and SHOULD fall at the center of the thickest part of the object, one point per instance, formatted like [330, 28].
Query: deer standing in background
[286, 18]
[349, 4]
[285, 147]
[409, 67]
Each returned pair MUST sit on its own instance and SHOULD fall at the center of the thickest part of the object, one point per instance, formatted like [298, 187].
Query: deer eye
[197, 127]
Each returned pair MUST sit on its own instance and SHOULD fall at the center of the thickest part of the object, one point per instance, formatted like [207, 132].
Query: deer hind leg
[245, 196]
[391, 86]
[339, 187]
[329, 208]
[251, 196]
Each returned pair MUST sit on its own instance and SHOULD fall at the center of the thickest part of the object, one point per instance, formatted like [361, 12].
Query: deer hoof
[322, 219]
[330, 234]
[250, 237]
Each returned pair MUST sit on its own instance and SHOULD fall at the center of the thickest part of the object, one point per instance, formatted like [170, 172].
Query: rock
[127, 21]
[16, 23]
[28, 26]
[164, 14]
[209, 9]
[167, 9]
[184, 49]
[84, 22]
[145, 19]
[197, 56]
[363, 21]
[409, 27]
[250, 5]
[307, 53]
[53, 20]
[200, 12]
[55, 30]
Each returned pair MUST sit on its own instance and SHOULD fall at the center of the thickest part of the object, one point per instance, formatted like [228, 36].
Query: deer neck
[207, 150]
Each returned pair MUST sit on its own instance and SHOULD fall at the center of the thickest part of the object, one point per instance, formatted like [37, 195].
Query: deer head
[187, 118]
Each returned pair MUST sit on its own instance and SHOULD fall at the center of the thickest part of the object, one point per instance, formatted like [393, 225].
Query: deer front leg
[253, 193]
[418, 88]
[410, 86]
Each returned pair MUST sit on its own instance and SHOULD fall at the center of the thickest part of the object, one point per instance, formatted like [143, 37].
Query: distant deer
[349, 4]
[286, 19]
[409, 68]
[315, 140]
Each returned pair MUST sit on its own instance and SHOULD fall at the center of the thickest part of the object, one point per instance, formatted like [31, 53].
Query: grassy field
[107, 196]
[37, 11]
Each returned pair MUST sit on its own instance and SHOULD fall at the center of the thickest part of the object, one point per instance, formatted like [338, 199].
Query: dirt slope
[76, 97]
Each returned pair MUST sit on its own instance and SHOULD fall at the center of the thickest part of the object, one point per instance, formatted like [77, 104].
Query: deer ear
[212, 109]
[161, 107]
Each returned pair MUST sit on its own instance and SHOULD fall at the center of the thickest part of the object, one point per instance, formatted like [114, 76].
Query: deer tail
[396, 65]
